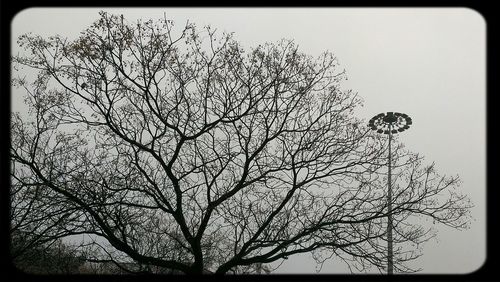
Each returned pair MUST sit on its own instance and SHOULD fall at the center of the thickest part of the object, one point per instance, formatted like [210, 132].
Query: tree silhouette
[45, 258]
[176, 149]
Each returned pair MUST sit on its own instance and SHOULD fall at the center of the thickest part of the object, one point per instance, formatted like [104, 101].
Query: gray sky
[427, 62]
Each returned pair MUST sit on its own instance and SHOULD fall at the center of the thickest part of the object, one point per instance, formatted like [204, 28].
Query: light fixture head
[390, 122]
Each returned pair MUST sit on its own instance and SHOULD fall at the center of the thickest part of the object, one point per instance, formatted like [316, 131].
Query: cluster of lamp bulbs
[390, 122]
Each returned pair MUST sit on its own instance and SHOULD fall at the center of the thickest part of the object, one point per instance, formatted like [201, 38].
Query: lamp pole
[390, 123]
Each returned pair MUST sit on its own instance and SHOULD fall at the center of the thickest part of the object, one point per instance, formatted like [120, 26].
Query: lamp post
[389, 123]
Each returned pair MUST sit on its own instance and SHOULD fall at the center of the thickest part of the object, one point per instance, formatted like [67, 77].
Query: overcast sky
[429, 63]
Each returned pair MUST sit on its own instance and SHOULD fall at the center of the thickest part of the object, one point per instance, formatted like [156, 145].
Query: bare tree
[191, 154]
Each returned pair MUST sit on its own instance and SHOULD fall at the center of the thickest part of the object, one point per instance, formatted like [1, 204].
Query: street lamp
[390, 123]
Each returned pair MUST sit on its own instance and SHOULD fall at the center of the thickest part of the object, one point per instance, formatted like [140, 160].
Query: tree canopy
[178, 149]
